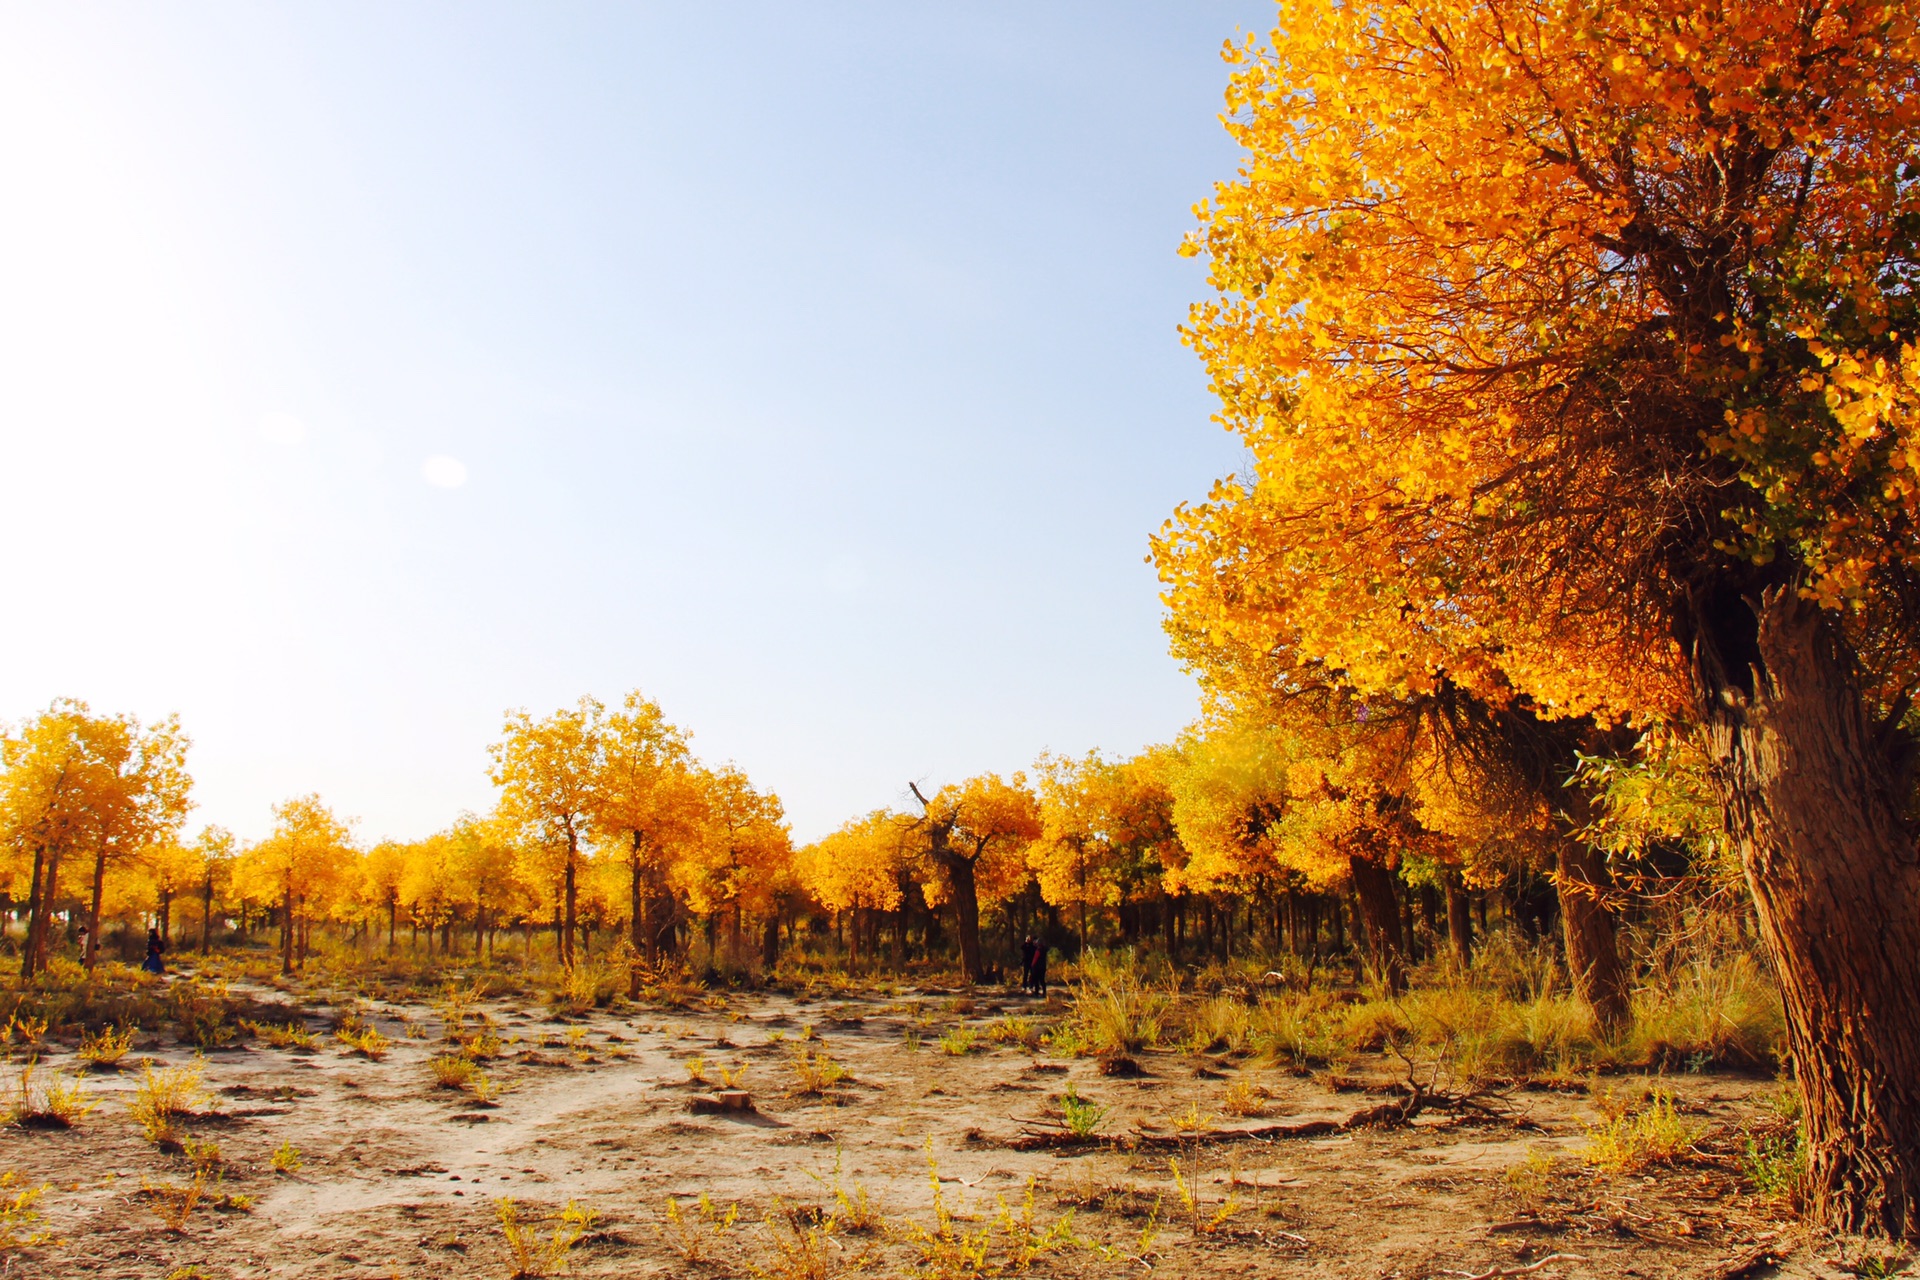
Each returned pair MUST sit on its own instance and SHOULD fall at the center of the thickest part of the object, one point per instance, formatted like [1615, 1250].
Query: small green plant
[1014, 1029]
[532, 1255]
[1066, 1041]
[482, 1046]
[1023, 1240]
[58, 1104]
[947, 1249]
[163, 1098]
[283, 1035]
[20, 1213]
[172, 1204]
[486, 1092]
[103, 1049]
[854, 1211]
[25, 1033]
[1200, 1218]
[202, 1013]
[452, 1072]
[730, 1077]
[1245, 1099]
[692, 1234]
[1191, 1122]
[957, 1041]
[1630, 1141]
[1083, 1118]
[696, 1069]
[814, 1071]
[203, 1155]
[1530, 1180]
[804, 1247]
[286, 1158]
[1775, 1164]
[364, 1040]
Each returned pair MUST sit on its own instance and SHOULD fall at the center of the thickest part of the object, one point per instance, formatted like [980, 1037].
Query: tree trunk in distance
[206, 918]
[1593, 953]
[286, 933]
[1379, 919]
[966, 915]
[1808, 796]
[770, 943]
[573, 900]
[36, 914]
[1459, 923]
[636, 920]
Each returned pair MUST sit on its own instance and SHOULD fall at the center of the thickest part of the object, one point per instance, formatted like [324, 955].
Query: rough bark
[573, 899]
[966, 913]
[92, 951]
[1459, 923]
[1379, 919]
[636, 920]
[286, 933]
[1593, 952]
[36, 914]
[1812, 798]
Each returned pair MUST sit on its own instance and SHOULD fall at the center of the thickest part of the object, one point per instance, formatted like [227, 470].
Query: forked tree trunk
[1379, 920]
[1593, 953]
[1810, 799]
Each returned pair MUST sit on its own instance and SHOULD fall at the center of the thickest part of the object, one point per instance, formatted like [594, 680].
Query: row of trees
[605, 821]
[1574, 349]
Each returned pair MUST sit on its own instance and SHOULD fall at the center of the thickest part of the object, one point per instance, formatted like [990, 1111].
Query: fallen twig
[1498, 1271]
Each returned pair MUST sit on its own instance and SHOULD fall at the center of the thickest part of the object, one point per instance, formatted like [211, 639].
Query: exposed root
[1416, 1098]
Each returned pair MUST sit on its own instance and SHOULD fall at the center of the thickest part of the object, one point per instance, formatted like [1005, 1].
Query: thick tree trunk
[1593, 953]
[206, 917]
[92, 950]
[966, 914]
[1811, 798]
[1379, 919]
[770, 943]
[1459, 923]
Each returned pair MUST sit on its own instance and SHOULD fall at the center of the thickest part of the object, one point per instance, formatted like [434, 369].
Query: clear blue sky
[367, 370]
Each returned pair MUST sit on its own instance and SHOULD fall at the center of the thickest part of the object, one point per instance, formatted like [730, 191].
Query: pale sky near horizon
[367, 370]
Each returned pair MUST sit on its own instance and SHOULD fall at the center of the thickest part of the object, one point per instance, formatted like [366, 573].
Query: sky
[369, 370]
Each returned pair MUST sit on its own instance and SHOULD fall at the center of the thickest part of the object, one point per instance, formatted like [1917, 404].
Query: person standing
[1037, 973]
[155, 947]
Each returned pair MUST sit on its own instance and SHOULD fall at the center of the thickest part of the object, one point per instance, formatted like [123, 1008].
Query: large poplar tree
[1574, 344]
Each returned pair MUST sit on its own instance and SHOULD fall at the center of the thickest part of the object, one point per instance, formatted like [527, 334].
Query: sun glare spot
[282, 428]
[443, 472]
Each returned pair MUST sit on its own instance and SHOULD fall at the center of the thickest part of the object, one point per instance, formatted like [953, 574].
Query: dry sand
[400, 1178]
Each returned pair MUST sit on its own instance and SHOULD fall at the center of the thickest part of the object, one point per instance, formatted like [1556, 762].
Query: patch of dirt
[400, 1178]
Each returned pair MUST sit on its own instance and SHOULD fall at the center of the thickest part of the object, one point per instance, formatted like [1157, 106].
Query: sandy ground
[401, 1178]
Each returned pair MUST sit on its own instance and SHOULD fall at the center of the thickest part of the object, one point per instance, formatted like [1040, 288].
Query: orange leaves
[1503, 288]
